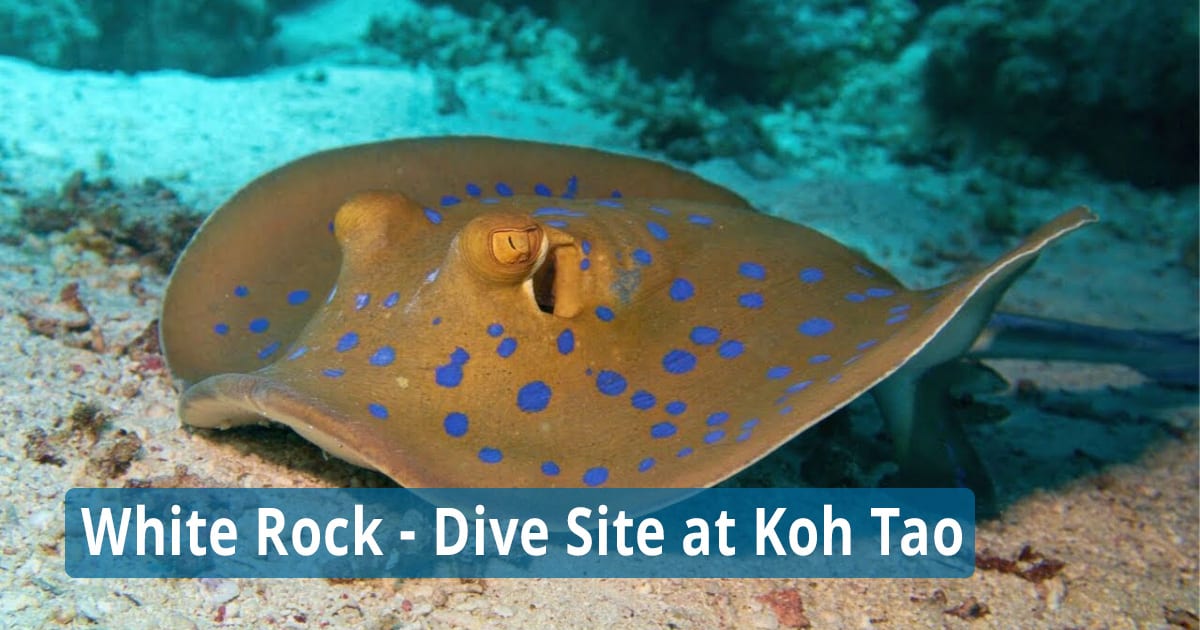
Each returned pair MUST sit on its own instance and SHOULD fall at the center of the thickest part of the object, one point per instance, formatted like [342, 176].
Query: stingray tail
[931, 448]
[1171, 359]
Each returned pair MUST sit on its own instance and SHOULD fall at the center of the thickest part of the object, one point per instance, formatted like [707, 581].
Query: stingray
[477, 312]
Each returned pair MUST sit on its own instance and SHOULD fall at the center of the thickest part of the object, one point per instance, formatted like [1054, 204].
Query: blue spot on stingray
[752, 270]
[503, 189]
[662, 430]
[679, 361]
[533, 396]
[268, 350]
[856, 297]
[557, 224]
[879, 292]
[682, 290]
[595, 476]
[378, 410]
[553, 210]
[731, 349]
[586, 246]
[495, 330]
[241, 291]
[750, 424]
[299, 296]
[330, 226]
[434, 216]
[384, 356]
[660, 210]
[798, 387]
[642, 399]
[896, 319]
[684, 452]
[899, 308]
[852, 359]
[450, 200]
[835, 378]
[361, 301]
[818, 358]
[744, 435]
[811, 275]
[751, 300]
[436, 321]
[221, 329]
[333, 372]
[717, 419]
[489, 455]
[642, 257]
[866, 344]
[863, 271]
[699, 219]
[474, 190]
[585, 264]
[645, 464]
[541, 190]
[259, 325]
[348, 342]
[712, 437]
[456, 424]
[604, 313]
[777, 372]
[785, 410]
[616, 194]
[507, 347]
[297, 353]
[815, 327]
[610, 383]
[609, 203]
[657, 231]
[566, 341]
[675, 407]
[704, 335]
[550, 469]
[450, 375]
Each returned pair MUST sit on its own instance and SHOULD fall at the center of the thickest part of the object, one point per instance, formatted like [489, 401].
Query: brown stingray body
[475, 312]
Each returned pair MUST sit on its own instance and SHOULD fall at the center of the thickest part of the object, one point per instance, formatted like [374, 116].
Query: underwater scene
[629, 243]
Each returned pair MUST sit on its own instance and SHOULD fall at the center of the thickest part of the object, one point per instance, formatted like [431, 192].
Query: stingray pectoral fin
[230, 400]
[930, 447]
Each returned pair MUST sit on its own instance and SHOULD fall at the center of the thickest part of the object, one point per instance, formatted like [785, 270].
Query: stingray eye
[503, 248]
[516, 247]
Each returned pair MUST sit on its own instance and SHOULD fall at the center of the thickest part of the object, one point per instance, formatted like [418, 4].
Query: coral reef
[214, 38]
[799, 50]
[49, 33]
[145, 222]
[1016, 88]
[1050, 74]
[667, 115]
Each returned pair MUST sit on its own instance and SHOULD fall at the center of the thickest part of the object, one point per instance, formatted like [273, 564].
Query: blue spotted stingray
[474, 312]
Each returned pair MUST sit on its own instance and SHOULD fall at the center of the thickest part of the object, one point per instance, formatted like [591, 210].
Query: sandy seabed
[1099, 472]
